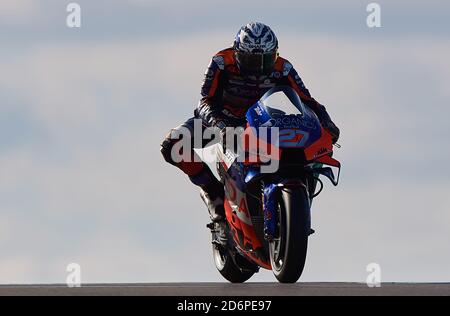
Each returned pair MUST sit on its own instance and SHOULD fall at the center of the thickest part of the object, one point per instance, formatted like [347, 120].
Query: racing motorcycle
[268, 214]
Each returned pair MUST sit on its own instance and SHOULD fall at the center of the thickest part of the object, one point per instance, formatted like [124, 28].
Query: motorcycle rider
[236, 78]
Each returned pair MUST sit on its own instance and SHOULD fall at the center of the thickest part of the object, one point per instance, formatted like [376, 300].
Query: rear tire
[227, 267]
[288, 251]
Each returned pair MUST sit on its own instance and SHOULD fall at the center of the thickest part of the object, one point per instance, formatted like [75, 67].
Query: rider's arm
[209, 109]
[297, 84]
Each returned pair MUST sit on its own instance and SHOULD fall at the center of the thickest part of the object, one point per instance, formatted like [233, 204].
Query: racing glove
[331, 128]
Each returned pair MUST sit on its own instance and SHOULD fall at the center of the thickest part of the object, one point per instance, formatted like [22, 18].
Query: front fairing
[297, 124]
[298, 128]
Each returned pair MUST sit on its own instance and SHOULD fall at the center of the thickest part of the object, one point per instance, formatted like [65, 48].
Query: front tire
[288, 250]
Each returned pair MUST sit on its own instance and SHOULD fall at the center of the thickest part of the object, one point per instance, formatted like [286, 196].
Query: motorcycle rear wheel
[227, 267]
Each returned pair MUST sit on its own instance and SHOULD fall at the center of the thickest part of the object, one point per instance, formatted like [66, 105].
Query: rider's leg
[198, 172]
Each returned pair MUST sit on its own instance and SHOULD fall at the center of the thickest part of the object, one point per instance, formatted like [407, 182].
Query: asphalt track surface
[227, 289]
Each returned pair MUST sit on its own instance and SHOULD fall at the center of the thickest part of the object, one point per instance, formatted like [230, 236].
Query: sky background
[83, 111]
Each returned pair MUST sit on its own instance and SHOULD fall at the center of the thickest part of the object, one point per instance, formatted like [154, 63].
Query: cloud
[38, 21]
[18, 12]
[87, 183]
[402, 226]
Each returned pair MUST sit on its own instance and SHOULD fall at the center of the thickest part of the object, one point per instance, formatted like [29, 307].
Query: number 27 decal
[292, 138]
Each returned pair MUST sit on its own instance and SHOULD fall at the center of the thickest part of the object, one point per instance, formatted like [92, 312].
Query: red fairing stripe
[323, 146]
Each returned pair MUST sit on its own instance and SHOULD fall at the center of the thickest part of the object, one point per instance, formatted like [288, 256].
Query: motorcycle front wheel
[289, 248]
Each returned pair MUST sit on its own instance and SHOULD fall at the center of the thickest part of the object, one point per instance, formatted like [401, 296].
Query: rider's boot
[212, 194]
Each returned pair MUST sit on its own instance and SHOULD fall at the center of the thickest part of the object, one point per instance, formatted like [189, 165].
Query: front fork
[271, 193]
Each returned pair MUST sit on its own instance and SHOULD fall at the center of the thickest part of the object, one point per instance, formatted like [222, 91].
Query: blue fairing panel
[294, 118]
[257, 115]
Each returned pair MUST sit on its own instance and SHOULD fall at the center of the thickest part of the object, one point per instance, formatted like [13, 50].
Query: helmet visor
[257, 63]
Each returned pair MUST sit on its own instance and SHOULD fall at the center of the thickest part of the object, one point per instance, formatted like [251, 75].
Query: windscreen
[282, 102]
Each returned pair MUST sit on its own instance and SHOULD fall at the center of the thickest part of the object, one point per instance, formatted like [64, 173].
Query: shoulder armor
[220, 61]
[286, 68]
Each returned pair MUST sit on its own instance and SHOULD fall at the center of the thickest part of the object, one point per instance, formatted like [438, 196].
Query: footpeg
[219, 234]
